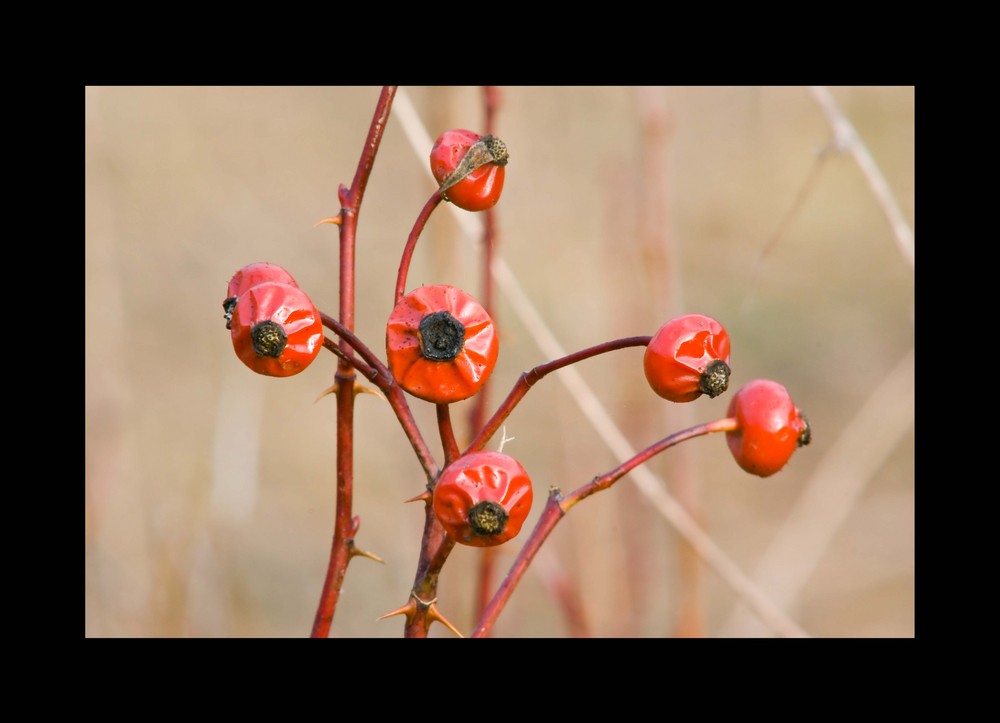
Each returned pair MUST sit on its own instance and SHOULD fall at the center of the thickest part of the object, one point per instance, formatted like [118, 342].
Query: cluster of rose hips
[689, 357]
[442, 346]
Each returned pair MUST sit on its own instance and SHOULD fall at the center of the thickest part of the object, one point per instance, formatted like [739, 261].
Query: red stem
[367, 371]
[411, 243]
[344, 525]
[529, 378]
[380, 375]
[377, 371]
[448, 442]
[434, 550]
[557, 506]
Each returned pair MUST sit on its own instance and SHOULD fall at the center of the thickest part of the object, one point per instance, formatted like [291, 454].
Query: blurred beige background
[209, 489]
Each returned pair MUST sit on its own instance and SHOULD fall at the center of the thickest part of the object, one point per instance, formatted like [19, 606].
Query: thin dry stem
[847, 139]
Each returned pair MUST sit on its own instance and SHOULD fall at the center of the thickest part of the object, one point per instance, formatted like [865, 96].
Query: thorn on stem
[361, 389]
[335, 220]
[414, 605]
[325, 392]
[426, 496]
[433, 614]
[409, 610]
[358, 552]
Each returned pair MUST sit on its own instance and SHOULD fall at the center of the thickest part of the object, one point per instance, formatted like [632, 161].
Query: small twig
[800, 198]
[529, 378]
[367, 371]
[847, 139]
[378, 372]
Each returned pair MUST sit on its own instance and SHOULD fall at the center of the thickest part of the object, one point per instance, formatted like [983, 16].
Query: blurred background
[210, 489]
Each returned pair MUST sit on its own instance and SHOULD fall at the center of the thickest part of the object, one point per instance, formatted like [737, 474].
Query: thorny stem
[344, 524]
[377, 371]
[379, 374]
[557, 506]
[529, 378]
[367, 371]
[411, 243]
[434, 550]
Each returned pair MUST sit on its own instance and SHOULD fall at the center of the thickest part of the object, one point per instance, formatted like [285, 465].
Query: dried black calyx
[269, 338]
[497, 149]
[487, 518]
[715, 379]
[227, 306]
[488, 149]
[442, 336]
[806, 435]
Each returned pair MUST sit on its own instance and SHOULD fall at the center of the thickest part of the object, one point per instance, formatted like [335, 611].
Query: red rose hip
[769, 427]
[441, 344]
[687, 357]
[470, 168]
[483, 498]
[276, 330]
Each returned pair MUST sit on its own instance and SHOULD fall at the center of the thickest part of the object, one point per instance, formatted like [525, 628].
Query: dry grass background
[209, 490]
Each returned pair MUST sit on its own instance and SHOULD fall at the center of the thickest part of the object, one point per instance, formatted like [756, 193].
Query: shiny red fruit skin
[474, 478]
[287, 306]
[249, 276]
[479, 190]
[257, 273]
[768, 427]
[441, 382]
[680, 352]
